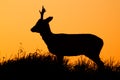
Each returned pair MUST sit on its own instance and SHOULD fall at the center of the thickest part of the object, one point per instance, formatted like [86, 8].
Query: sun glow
[69, 16]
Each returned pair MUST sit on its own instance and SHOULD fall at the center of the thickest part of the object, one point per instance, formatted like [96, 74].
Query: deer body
[69, 44]
[73, 44]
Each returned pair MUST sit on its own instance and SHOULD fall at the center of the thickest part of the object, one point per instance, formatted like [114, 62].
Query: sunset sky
[99, 17]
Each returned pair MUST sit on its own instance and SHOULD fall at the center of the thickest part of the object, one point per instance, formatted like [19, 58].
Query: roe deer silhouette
[69, 44]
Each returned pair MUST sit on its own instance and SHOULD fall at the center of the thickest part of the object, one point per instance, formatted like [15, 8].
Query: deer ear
[48, 19]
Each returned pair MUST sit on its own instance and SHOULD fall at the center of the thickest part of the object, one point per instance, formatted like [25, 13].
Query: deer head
[42, 24]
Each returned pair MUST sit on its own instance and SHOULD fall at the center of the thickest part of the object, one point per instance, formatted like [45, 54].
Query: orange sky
[100, 17]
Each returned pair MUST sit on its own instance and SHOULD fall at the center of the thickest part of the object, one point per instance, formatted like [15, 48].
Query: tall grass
[36, 66]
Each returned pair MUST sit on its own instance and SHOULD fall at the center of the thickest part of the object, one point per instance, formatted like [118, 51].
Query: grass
[35, 66]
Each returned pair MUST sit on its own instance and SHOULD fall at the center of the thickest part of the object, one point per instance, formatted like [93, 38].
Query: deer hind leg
[99, 63]
[97, 60]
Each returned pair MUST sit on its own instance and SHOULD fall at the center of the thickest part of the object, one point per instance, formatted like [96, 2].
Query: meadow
[43, 67]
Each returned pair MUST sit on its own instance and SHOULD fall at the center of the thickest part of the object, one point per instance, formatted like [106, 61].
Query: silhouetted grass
[41, 67]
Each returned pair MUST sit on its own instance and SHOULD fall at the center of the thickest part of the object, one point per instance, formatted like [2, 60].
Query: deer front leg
[60, 62]
[59, 59]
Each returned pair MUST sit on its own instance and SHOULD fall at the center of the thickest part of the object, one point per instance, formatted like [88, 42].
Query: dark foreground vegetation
[40, 67]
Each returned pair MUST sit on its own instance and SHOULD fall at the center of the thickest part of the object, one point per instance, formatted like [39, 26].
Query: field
[35, 66]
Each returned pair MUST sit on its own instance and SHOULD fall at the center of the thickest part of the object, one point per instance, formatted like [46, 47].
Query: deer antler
[42, 13]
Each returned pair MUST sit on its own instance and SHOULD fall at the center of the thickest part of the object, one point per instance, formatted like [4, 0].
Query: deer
[62, 44]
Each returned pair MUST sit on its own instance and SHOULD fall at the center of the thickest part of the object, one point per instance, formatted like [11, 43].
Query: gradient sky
[99, 17]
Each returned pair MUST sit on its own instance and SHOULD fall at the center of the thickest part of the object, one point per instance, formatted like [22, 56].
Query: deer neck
[46, 33]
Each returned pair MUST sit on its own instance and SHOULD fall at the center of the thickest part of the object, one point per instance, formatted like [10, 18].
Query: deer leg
[99, 63]
[59, 59]
[60, 62]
